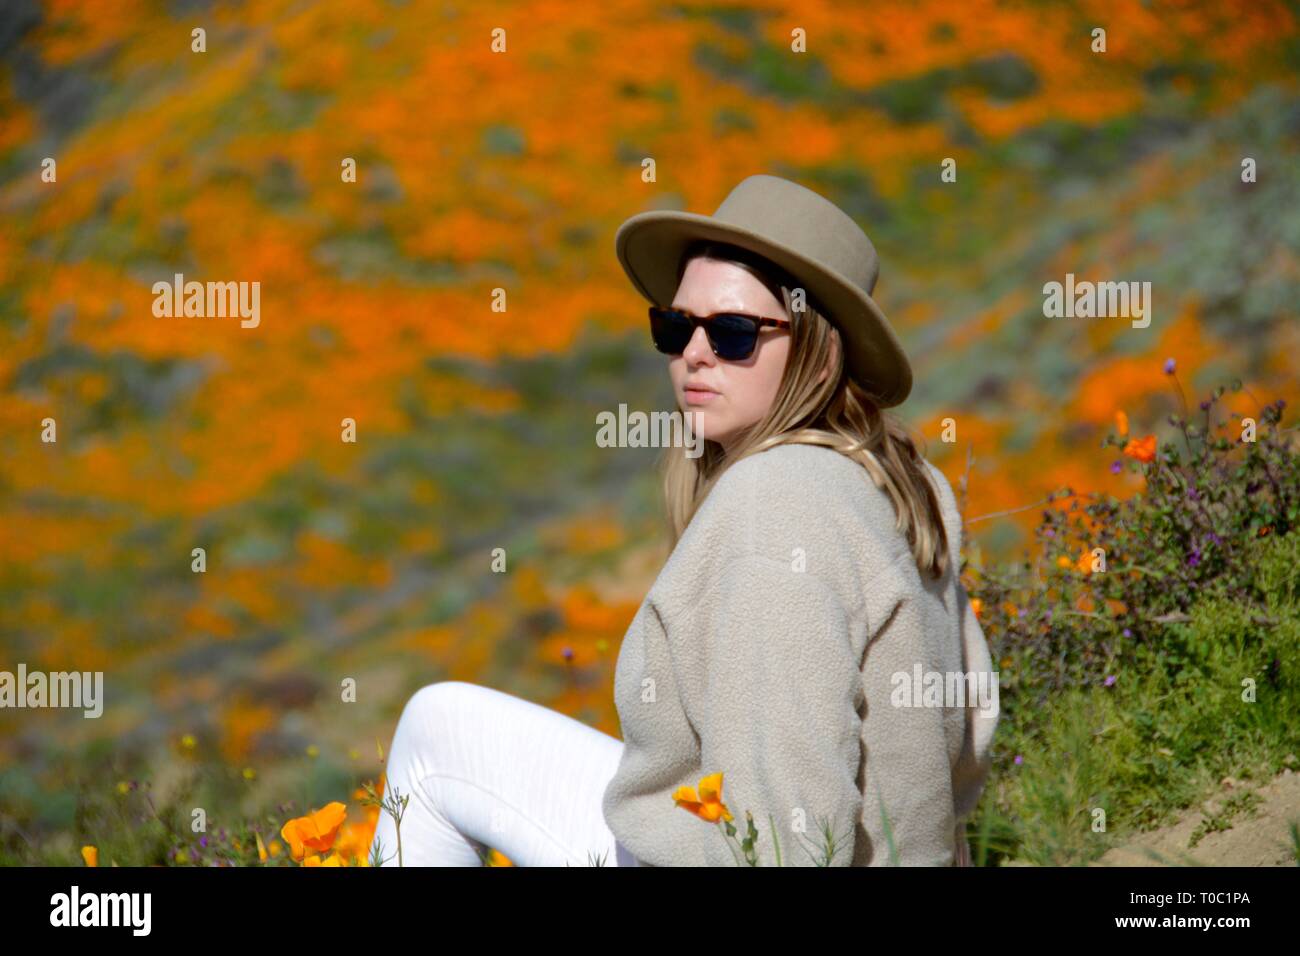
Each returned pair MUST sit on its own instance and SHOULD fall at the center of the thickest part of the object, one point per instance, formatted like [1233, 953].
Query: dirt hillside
[1257, 833]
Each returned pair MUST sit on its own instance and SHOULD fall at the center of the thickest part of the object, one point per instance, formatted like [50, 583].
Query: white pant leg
[483, 767]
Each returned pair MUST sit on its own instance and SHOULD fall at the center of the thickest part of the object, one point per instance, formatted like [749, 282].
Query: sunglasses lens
[671, 331]
[733, 336]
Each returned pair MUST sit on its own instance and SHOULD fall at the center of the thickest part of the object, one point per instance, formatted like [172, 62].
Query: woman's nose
[698, 349]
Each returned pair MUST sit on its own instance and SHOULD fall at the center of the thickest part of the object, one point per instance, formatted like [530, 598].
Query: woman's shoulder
[812, 486]
[782, 493]
[796, 501]
[791, 472]
[803, 506]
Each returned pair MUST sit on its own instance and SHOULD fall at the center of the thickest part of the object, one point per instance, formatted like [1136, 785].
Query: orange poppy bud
[1121, 423]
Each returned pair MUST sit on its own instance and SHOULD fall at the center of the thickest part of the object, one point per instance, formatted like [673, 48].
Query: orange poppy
[316, 831]
[708, 806]
[1121, 423]
[1143, 449]
[332, 860]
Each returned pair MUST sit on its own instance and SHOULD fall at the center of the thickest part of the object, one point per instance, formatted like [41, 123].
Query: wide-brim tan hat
[805, 234]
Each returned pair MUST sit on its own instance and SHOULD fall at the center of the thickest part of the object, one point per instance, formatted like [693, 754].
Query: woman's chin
[702, 420]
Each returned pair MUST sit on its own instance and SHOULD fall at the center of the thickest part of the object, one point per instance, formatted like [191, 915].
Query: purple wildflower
[1191, 492]
[1115, 466]
[567, 652]
[1019, 760]
[1169, 366]
[1205, 406]
[1215, 538]
[1127, 632]
[1194, 558]
[1110, 680]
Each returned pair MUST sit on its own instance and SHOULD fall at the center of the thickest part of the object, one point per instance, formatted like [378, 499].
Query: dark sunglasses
[732, 335]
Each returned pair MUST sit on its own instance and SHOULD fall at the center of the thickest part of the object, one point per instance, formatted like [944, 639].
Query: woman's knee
[439, 697]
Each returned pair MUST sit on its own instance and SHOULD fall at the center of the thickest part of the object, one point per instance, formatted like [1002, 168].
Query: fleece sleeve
[972, 768]
[776, 711]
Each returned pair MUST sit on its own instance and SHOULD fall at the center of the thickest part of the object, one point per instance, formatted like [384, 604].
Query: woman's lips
[699, 396]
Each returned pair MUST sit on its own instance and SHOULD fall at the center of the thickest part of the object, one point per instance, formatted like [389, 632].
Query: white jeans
[484, 768]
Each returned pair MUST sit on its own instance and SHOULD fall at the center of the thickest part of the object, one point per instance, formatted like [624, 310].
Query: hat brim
[650, 246]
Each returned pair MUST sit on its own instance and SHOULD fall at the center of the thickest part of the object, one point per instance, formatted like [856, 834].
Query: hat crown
[804, 221]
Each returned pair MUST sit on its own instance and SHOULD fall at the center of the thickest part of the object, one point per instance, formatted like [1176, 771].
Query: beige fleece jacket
[782, 645]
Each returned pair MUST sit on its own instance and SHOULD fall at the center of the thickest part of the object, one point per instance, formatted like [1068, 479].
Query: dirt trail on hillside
[1257, 836]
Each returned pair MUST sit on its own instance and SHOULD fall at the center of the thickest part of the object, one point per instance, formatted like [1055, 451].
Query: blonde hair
[838, 413]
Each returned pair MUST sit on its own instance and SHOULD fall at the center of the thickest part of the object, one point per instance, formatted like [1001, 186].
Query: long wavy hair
[838, 413]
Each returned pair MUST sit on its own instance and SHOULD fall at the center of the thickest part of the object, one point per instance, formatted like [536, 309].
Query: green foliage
[1193, 532]
[1114, 719]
